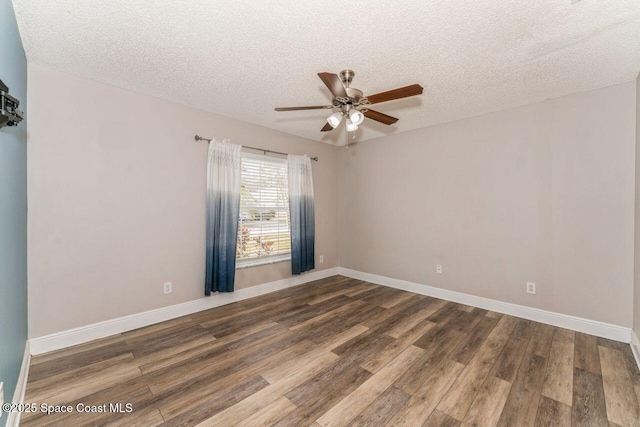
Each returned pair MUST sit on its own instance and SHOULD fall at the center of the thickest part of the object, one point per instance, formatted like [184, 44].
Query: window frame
[265, 259]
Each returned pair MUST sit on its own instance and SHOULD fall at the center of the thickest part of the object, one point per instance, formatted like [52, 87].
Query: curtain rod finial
[199, 138]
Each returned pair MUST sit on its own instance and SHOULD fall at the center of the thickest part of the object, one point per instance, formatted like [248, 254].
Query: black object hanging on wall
[10, 115]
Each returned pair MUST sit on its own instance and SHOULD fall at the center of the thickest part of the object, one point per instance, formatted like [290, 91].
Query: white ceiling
[242, 58]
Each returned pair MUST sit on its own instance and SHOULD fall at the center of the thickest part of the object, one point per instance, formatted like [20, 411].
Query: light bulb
[335, 119]
[356, 116]
[350, 125]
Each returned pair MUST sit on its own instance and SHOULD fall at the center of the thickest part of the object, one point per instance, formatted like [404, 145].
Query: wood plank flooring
[341, 352]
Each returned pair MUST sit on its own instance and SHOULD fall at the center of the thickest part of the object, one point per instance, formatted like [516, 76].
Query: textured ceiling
[242, 58]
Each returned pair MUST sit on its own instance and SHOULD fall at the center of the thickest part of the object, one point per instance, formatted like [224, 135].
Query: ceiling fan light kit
[352, 103]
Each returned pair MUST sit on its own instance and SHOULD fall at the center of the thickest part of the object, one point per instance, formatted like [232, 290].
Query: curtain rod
[199, 138]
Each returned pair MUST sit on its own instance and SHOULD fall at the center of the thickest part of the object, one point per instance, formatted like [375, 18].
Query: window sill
[246, 263]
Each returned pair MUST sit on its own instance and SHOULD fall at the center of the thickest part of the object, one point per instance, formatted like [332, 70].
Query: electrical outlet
[321, 259]
[531, 288]
[439, 269]
[168, 288]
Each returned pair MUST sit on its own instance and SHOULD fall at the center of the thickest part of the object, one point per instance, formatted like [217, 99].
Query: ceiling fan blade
[311, 107]
[403, 92]
[380, 117]
[334, 84]
[327, 127]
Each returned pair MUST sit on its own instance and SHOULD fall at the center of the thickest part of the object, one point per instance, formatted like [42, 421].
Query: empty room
[286, 213]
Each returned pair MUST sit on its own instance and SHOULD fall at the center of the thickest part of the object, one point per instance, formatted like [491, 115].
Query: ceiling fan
[352, 104]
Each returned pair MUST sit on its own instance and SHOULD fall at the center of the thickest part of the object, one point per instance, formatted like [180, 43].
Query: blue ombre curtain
[223, 211]
[302, 211]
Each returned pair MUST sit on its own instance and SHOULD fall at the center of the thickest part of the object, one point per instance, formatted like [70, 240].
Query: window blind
[263, 228]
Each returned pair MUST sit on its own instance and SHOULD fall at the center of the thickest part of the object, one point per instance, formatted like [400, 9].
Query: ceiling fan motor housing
[354, 97]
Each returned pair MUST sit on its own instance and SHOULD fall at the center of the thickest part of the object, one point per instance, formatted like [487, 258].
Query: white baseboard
[128, 323]
[635, 347]
[13, 419]
[123, 324]
[600, 329]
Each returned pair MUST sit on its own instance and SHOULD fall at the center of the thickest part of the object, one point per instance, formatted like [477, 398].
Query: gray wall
[13, 209]
[116, 200]
[541, 193]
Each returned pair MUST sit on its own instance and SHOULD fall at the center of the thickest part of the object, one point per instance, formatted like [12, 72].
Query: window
[263, 229]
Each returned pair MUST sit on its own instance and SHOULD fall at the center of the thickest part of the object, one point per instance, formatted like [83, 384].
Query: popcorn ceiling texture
[242, 58]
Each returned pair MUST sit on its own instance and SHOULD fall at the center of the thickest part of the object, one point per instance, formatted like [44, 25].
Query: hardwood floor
[342, 352]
